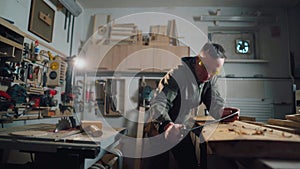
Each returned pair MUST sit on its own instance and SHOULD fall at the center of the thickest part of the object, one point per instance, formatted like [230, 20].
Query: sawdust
[242, 130]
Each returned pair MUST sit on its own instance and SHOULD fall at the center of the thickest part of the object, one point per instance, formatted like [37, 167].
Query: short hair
[214, 50]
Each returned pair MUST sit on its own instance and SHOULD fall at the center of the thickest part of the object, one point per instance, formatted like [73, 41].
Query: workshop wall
[294, 34]
[273, 49]
[18, 11]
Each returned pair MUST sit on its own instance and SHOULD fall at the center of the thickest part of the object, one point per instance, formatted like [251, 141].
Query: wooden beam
[284, 123]
[293, 117]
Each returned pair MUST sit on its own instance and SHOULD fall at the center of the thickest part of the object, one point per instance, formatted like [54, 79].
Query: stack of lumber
[123, 32]
[290, 124]
[162, 35]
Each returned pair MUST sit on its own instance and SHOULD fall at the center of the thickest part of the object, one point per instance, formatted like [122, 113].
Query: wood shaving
[231, 129]
[258, 132]
[243, 132]
[284, 134]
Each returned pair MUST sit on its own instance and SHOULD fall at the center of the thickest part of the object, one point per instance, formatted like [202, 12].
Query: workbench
[242, 145]
[64, 149]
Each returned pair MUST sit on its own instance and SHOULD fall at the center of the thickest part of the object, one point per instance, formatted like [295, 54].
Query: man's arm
[163, 102]
[215, 103]
[160, 107]
[212, 99]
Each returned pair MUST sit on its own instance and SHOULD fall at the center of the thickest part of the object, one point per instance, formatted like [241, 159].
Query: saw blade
[63, 124]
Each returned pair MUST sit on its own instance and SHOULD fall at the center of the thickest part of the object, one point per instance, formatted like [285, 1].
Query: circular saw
[63, 124]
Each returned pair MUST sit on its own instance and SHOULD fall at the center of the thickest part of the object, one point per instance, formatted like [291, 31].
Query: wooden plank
[293, 117]
[255, 122]
[242, 118]
[29, 133]
[203, 118]
[100, 20]
[87, 123]
[287, 129]
[124, 25]
[41, 126]
[11, 43]
[126, 34]
[11, 26]
[140, 133]
[284, 123]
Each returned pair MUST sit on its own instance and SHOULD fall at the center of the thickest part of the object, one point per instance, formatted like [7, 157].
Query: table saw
[64, 149]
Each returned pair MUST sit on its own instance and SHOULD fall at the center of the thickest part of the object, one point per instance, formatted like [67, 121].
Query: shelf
[228, 18]
[33, 117]
[11, 43]
[233, 29]
[246, 61]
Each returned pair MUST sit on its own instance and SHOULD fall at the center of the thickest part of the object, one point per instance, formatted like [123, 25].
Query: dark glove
[229, 110]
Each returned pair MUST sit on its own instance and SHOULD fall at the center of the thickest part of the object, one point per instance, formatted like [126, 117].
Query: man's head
[209, 61]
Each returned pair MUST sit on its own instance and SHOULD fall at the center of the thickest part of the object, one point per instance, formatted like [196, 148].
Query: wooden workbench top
[240, 139]
[44, 132]
[239, 130]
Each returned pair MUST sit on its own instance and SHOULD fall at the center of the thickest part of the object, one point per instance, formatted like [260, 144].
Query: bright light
[80, 63]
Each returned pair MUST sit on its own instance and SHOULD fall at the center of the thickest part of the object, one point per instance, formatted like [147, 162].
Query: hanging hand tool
[69, 25]
[66, 18]
[30, 72]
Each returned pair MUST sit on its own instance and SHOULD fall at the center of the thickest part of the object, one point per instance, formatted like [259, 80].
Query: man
[182, 90]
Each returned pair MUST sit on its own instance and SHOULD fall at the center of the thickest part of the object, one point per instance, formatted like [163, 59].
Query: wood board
[284, 123]
[29, 133]
[203, 118]
[293, 117]
[44, 132]
[281, 128]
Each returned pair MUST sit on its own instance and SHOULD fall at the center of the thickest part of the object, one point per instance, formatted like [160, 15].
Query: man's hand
[229, 110]
[173, 132]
